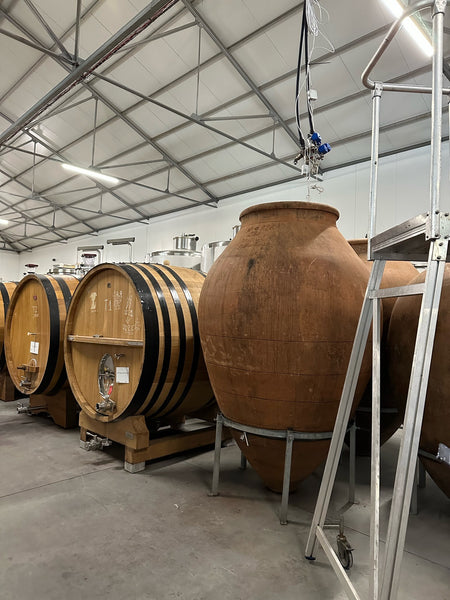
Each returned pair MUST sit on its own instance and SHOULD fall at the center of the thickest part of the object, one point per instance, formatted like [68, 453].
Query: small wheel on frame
[344, 552]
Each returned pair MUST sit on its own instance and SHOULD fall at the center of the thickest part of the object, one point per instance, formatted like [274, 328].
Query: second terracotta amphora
[396, 273]
[278, 314]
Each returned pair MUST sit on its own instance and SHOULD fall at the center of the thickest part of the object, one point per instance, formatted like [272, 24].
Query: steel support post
[343, 415]
[352, 465]
[217, 449]
[406, 465]
[375, 453]
[376, 99]
[243, 462]
[436, 115]
[286, 477]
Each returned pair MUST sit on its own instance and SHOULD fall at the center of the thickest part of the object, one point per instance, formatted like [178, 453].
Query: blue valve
[316, 139]
[324, 149]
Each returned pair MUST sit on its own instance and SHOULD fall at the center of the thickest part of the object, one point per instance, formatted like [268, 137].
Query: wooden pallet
[8, 392]
[62, 407]
[141, 445]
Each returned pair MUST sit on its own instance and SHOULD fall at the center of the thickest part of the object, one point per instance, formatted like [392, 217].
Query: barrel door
[132, 345]
[34, 332]
[6, 291]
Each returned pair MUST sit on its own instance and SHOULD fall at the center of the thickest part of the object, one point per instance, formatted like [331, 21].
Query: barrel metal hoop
[151, 348]
[167, 337]
[5, 297]
[182, 337]
[196, 339]
[53, 349]
[67, 295]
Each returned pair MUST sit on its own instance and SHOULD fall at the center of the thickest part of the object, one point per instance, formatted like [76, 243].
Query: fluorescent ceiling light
[91, 173]
[410, 26]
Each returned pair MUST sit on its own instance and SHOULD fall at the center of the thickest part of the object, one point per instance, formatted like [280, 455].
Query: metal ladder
[422, 238]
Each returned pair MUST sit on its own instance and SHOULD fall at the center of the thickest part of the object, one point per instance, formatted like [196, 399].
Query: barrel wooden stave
[154, 306]
[37, 313]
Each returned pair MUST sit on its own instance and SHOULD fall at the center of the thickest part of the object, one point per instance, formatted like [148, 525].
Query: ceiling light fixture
[3, 222]
[411, 26]
[91, 173]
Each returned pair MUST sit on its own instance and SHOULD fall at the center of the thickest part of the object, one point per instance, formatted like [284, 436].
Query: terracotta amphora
[277, 315]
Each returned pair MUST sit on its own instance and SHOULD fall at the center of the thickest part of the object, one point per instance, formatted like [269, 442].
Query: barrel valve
[25, 382]
[26, 409]
[105, 406]
[23, 409]
[96, 442]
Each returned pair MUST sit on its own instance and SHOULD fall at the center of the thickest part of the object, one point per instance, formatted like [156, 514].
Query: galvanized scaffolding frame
[424, 237]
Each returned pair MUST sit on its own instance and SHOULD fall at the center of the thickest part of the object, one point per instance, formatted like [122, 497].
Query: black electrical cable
[308, 83]
[297, 85]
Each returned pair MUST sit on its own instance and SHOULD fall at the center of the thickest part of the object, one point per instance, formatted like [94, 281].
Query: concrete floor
[74, 524]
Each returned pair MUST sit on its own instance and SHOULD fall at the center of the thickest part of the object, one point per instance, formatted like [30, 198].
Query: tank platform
[141, 444]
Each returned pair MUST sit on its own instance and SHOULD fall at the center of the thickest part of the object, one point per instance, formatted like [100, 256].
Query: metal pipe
[436, 116]
[416, 89]
[376, 98]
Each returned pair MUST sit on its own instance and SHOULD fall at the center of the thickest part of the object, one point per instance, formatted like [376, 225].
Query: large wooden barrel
[278, 315]
[34, 333]
[401, 339]
[132, 345]
[6, 290]
[396, 273]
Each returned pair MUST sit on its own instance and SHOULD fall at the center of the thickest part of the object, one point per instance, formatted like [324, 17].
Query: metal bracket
[377, 90]
[439, 7]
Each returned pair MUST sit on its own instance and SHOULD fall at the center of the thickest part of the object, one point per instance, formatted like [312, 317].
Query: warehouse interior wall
[403, 192]
[10, 266]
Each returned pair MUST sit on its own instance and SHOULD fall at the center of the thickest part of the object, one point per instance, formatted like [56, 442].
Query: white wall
[9, 266]
[403, 193]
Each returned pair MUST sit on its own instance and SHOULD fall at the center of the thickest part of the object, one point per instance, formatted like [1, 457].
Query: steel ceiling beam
[132, 28]
[148, 140]
[141, 133]
[255, 134]
[323, 108]
[367, 133]
[5, 15]
[185, 76]
[49, 30]
[363, 39]
[206, 63]
[193, 119]
[42, 49]
[238, 67]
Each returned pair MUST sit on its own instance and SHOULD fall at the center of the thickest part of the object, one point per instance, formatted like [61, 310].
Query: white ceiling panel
[253, 73]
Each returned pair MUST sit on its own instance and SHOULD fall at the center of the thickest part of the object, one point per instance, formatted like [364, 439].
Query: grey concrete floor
[74, 524]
